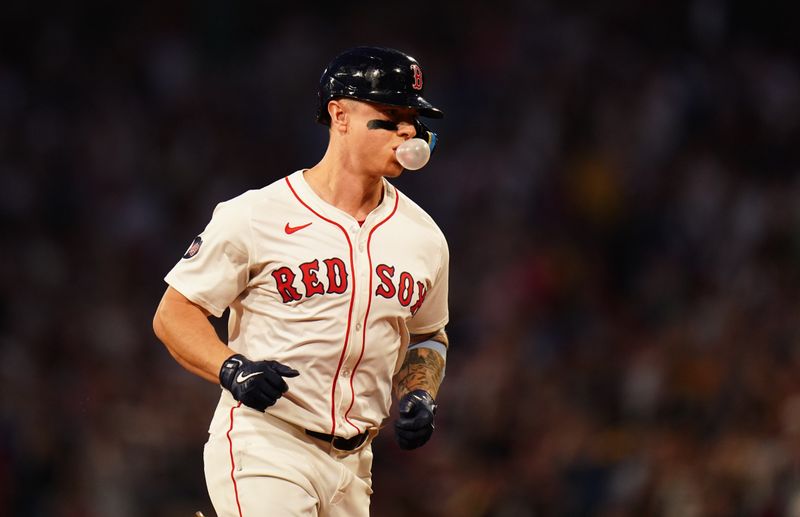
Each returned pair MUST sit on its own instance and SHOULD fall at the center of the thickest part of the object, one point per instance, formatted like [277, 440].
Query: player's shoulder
[416, 214]
[249, 199]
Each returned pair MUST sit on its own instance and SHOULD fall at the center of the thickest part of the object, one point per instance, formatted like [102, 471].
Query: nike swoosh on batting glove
[256, 384]
[415, 425]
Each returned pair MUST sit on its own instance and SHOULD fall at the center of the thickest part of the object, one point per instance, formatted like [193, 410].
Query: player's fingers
[408, 424]
[272, 379]
[423, 419]
[256, 400]
[408, 444]
[283, 370]
[270, 392]
[418, 439]
[414, 433]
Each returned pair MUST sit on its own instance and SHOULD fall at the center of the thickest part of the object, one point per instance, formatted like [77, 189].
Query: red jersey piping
[349, 310]
[233, 465]
[369, 304]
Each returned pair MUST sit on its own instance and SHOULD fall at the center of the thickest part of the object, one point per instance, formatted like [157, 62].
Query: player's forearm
[189, 336]
[187, 365]
[423, 368]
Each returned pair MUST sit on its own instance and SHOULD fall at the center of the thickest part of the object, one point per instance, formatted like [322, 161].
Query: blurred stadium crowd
[619, 186]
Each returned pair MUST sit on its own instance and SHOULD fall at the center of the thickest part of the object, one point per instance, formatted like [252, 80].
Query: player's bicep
[172, 308]
[173, 296]
[433, 315]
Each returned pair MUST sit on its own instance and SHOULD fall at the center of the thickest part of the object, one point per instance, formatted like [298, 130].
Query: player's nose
[406, 130]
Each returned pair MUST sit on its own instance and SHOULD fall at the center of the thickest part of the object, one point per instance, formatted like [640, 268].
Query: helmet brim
[426, 109]
[423, 107]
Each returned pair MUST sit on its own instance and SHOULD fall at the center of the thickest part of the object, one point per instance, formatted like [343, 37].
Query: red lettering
[406, 289]
[422, 292]
[310, 279]
[284, 277]
[337, 275]
[417, 85]
[385, 273]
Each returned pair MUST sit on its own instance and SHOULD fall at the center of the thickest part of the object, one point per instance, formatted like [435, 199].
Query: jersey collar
[310, 197]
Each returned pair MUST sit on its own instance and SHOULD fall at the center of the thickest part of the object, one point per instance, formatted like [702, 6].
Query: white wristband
[432, 345]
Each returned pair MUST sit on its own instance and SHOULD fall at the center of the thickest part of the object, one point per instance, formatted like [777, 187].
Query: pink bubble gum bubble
[413, 154]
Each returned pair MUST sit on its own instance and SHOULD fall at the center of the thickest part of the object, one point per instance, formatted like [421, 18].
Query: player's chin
[393, 169]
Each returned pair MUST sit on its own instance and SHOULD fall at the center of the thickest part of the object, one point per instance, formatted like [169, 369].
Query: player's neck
[355, 194]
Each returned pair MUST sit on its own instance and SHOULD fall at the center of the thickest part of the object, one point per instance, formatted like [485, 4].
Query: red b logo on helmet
[417, 77]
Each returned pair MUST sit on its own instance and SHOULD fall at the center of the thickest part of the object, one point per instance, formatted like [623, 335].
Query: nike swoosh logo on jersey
[291, 229]
[241, 377]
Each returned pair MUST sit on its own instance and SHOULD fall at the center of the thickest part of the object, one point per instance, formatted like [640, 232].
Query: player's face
[376, 130]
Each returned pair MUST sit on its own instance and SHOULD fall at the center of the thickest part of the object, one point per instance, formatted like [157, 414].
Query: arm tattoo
[422, 369]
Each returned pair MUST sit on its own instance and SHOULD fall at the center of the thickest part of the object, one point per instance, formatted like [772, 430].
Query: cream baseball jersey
[311, 288]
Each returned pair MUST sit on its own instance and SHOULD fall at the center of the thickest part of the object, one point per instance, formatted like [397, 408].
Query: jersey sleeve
[434, 314]
[215, 268]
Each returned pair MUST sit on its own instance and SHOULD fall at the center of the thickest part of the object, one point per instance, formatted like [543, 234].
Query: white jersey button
[345, 373]
[354, 229]
[358, 326]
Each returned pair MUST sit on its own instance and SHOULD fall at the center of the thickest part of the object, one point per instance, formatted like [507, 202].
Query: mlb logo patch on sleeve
[193, 248]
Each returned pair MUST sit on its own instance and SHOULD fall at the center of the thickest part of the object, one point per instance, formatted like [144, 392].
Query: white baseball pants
[257, 465]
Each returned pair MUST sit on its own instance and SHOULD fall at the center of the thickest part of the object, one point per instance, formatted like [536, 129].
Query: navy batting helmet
[376, 74]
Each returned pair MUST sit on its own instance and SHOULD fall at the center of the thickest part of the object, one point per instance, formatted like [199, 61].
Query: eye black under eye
[382, 124]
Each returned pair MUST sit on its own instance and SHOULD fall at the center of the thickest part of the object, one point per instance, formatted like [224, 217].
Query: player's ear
[339, 115]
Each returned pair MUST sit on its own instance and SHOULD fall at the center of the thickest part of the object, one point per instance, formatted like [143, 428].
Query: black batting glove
[256, 384]
[415, 425]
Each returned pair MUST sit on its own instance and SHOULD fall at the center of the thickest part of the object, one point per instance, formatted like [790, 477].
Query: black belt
[343, 444]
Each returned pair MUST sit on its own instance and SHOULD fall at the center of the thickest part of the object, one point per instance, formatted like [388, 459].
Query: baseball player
[337, 289]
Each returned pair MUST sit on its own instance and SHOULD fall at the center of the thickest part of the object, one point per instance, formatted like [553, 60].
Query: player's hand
[415, 425]
[256, 384]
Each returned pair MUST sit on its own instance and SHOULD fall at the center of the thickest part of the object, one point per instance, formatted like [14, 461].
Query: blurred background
[618, 184]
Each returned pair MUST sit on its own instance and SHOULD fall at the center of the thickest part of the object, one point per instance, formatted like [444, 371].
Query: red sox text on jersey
[305, 281]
